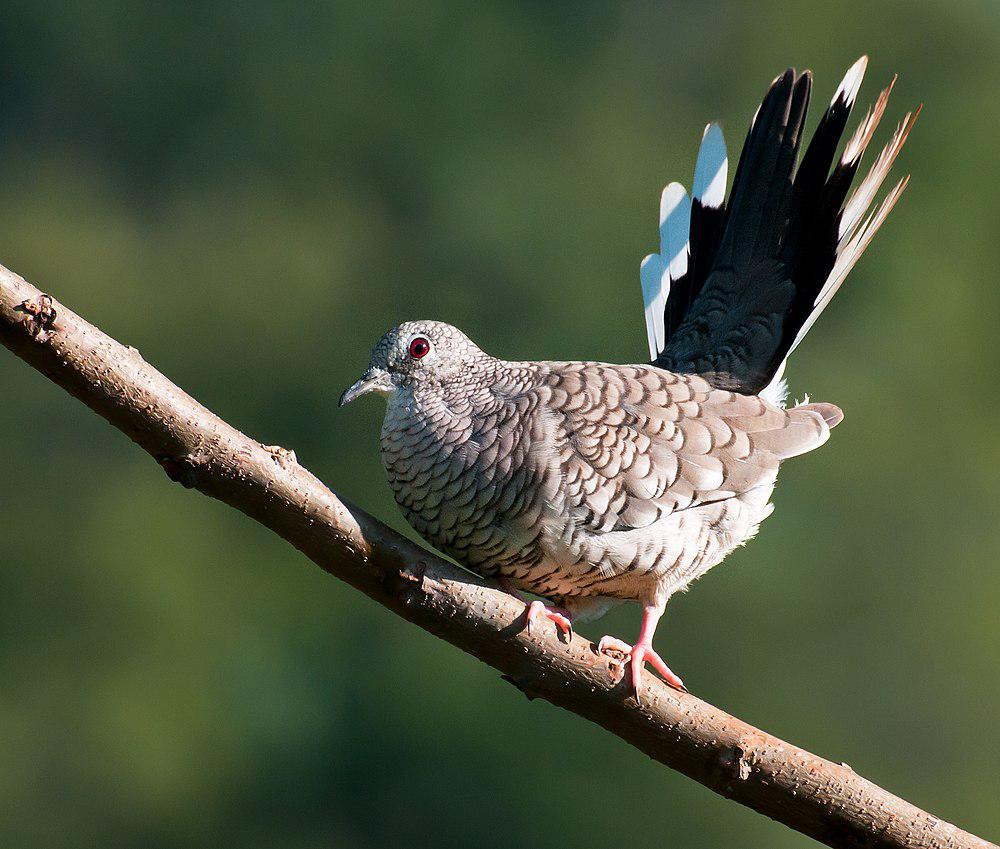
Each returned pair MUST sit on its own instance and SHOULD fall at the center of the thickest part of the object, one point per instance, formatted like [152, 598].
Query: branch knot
[735, 762]
[179, 469]
[39, 315]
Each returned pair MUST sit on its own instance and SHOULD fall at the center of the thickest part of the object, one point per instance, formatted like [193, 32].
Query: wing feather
[683, 444]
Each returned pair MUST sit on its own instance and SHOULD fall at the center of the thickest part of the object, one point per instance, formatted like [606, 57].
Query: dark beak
[373, 380]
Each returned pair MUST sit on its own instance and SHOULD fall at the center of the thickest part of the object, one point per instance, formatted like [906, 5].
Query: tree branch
[826, 801]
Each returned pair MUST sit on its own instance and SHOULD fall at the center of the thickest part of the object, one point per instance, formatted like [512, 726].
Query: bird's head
[417, 353]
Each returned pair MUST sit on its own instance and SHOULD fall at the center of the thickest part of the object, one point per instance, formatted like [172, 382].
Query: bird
[589, 484]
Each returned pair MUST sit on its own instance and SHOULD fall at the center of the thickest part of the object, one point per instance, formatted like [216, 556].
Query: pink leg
[642, 652]
[557, 615]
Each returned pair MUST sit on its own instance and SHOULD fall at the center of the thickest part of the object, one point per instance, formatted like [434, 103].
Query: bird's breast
[466, 481]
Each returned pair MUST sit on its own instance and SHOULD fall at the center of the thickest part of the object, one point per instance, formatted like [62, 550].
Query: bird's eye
[419, 347]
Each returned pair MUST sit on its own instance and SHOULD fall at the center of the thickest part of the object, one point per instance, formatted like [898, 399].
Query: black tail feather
[707, 226]
[758, 265]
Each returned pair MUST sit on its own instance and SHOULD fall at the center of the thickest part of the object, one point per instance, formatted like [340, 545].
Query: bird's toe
[563, 623]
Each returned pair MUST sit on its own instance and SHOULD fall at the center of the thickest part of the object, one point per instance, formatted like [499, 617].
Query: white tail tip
[851, 84]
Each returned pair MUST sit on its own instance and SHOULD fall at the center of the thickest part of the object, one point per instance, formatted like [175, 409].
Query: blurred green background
[251, 193]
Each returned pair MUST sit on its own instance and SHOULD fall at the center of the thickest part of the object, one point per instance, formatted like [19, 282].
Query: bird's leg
[560, 617]
[642, 652]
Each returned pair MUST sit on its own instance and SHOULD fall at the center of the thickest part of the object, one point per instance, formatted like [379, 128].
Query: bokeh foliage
[251, 193]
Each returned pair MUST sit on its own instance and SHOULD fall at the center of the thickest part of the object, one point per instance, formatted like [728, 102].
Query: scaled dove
[588, 483]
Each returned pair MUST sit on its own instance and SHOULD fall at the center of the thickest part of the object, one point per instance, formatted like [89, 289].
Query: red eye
[419, 347]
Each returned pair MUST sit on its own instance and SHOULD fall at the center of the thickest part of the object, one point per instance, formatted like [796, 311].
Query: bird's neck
[450, 404]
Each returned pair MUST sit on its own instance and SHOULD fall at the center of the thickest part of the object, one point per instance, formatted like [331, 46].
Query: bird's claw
[563, 623]
[638, 656]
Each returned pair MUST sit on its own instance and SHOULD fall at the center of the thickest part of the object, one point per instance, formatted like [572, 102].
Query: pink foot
[558, 617]
[534, 609]
[639, 655]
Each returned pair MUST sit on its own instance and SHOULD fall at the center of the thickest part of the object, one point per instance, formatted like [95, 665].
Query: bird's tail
[754, 273]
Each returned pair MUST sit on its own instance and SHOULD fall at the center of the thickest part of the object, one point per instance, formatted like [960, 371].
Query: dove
[589, 484]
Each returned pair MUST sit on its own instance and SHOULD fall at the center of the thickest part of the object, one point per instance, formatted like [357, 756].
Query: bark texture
[197, 449]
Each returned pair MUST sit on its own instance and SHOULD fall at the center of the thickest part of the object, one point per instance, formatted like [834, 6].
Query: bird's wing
[636, 443]
[763, 266]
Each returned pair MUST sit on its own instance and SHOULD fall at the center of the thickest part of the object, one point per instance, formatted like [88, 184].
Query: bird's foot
[558, 617]
[639, 655]
[533, 609]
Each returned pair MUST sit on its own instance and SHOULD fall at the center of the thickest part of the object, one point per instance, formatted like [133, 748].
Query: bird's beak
[373, 380]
